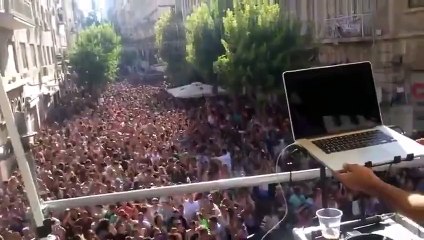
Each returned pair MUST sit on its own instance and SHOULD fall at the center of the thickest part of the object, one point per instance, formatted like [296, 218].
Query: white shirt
[226, 160]
[211, 120]
[356, 210]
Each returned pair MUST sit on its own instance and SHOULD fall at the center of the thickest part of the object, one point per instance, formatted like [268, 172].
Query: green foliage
[96, 55]
[170, 41]
[260, 43]
[204, 45]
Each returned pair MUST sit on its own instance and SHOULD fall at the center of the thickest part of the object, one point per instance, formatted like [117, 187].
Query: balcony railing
[16, 14]
[355, 26]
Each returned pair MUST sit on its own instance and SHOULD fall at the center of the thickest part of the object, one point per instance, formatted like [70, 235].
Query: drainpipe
[373, 17]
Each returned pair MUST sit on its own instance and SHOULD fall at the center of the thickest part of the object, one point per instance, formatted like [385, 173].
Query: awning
[50, 88]
[194, 90]
[31, 92]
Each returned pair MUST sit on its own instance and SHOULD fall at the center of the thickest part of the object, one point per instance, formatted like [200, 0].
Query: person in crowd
[139, 137]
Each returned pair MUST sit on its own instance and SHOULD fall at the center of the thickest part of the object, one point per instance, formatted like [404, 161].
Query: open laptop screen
[331, 100]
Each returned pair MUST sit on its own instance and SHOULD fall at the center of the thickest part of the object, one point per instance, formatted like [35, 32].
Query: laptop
[335, 115]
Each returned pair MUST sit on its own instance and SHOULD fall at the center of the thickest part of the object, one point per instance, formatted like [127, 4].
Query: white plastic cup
[329, 222]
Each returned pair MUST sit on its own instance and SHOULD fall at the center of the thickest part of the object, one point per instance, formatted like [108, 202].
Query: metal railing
[2, 5]
[21, 9]
[354, 26]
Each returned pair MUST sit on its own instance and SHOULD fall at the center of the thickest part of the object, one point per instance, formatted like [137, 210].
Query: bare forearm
[409, 204]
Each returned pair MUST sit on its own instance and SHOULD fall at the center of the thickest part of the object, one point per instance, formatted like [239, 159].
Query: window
[355, 7]
[298, 9]
[15, 56]
[46, 55]
[33, 55]
[40, 56]
[366, 6]
[49, 52]
[311, 11]
[415, 3]
[52, 54]
[46, 60]
[24, 55]
[339, 8]
[329, 9]
[49, 55]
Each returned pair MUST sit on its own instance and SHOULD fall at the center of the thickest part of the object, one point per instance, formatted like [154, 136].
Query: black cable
[386, 177]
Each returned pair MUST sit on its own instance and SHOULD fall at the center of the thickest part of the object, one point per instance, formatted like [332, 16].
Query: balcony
[348, 28]
[16, 14]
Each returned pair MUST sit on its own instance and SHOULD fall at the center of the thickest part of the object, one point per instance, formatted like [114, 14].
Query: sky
[85, 5]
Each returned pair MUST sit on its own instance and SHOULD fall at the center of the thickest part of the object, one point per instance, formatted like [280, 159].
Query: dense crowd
[137, 137]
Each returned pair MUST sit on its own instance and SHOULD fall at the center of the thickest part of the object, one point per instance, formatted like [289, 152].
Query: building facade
[187, 6]
[33, 40]
[135, 20]
[388, 33]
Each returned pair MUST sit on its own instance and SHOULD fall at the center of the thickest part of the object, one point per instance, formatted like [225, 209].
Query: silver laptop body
[335, 115]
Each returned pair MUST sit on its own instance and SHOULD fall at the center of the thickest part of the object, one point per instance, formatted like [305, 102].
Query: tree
[170, 41]
[260, 43]
[91, 19]
[204, 27]
[128, 58]
[96, 55]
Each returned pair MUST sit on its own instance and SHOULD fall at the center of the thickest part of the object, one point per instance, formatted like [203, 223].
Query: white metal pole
[23, 165]
[134, 195]
[104, 199]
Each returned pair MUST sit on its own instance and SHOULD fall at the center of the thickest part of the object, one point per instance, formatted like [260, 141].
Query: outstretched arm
[363, 179]
[409, 204]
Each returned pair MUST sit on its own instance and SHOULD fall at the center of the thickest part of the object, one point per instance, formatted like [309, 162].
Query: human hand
[420, 141]
[359, 178]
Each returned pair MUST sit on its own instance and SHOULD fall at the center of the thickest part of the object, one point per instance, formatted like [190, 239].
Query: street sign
[417, 90]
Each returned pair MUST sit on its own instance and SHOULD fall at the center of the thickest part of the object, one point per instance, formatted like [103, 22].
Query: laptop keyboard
[353, 141]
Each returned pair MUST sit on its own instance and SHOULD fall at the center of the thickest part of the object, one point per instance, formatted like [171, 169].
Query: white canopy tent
[194, 90]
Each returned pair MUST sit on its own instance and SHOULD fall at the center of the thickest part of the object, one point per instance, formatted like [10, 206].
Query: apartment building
[135, 20]
[389, 33]
[33, 37]
[70, 18]
[386, 32]
[187, 6]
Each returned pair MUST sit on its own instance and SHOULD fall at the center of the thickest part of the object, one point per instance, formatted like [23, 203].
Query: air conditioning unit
[45, 71]
[397, 60]
[13, 79]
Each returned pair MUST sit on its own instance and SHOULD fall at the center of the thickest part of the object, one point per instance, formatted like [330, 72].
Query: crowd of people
[139, 137]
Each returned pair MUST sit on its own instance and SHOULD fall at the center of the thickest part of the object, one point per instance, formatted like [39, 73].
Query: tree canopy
[246, 44]
[96, 55]
[91, 19]
[170, 39]
[260, 43]
[204, 45]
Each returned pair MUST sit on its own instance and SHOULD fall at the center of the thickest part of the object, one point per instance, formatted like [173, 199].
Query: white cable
[280, 155]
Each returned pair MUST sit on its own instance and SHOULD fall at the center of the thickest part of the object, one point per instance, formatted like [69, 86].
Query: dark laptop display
[331, 100]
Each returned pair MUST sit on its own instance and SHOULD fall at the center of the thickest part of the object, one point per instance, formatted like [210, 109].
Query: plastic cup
[329, 222]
